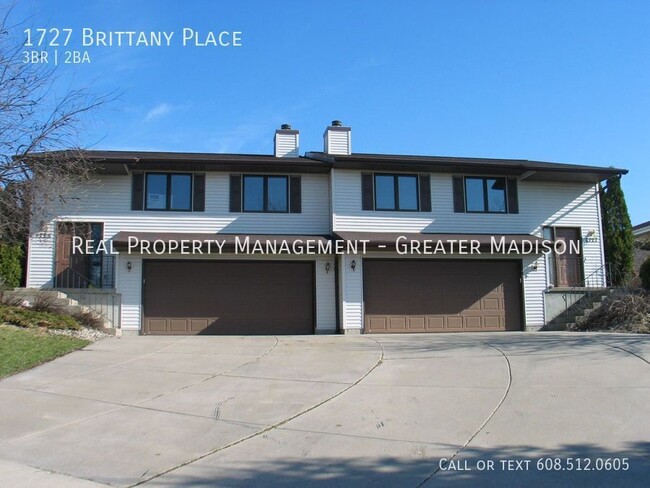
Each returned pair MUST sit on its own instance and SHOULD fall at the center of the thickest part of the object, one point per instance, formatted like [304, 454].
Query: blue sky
[553, 80]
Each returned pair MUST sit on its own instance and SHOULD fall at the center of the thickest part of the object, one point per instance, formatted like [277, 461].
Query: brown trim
[458, 190]
[137, 191]
[235, 193]
[198, 193]
[295, 194]
[512, 195]
[424, 184]
[120, 162]
[367, 191]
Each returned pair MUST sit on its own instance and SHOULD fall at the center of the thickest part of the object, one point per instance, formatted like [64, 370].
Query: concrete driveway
[502, 409]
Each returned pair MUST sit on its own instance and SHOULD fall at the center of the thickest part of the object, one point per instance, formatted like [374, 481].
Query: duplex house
[330, 241]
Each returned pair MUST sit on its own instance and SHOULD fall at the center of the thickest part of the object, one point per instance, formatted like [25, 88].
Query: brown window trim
[169, 191]
[395, 177]
[265, 196]
[485, 194]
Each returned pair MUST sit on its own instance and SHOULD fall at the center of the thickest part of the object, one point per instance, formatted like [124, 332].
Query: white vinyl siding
[540, 204]
[351, 293]
[109, 201]
[338, 141]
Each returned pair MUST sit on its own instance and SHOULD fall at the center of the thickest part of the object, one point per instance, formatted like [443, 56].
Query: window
[487, 195]
[168, 191]
[396, 192]
[266, 194]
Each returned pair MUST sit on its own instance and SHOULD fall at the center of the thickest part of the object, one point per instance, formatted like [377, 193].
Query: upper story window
[478, 194]
[180, 192]
[485, 194]
[168, 191]
[396, 192]
[266, 193]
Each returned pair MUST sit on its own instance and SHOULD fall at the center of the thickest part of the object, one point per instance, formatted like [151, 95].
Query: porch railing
[103, 278]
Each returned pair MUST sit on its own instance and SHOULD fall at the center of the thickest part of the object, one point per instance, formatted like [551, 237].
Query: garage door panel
[455, 323]
[435, 324]
[218, 297]
[441, 295]
[416, 324]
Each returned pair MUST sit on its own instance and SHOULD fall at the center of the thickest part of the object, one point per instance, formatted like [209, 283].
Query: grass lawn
[22, 349]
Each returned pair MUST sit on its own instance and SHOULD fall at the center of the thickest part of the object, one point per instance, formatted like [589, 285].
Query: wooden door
[71, 267]
[568, 265]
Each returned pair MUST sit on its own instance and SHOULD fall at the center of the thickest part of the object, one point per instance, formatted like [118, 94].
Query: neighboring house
[641, 232]
[323, 197]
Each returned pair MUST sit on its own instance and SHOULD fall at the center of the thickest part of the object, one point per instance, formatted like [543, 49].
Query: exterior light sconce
[129, 266]
[353, 265]
[591, 233]
[327, 267]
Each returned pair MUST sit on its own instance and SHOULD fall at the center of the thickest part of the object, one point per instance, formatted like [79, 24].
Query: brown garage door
[192, 297]
[441, 296]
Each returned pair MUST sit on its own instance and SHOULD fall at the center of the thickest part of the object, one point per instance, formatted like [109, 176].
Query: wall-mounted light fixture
[591, 232]
[353, 265]
[327, 267]
[129, 266]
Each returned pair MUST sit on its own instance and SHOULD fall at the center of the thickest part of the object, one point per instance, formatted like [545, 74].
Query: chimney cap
[337, 123]
[285, 127]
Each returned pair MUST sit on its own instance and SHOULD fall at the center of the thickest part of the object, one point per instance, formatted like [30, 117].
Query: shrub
[90, 319]
[7, 299]
[622, 311]
[23, 317]
[644, 273]
[11, 269]
[44, 303]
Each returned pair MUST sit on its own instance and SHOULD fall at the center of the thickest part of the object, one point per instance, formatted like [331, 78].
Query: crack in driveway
[482, 426]
[270, 427]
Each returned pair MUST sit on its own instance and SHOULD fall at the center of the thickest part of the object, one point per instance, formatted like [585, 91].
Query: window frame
[168, 192]
[265, 194]
[486, 205]
[395, 177]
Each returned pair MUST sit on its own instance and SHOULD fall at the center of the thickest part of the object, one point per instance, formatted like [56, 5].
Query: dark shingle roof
[120, 162]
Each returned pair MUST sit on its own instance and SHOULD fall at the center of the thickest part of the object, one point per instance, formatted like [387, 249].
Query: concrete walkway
[418, 410]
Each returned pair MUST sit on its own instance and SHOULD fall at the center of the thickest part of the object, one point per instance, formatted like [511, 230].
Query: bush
[23, 317]
[622, 311]
[45, 303]
[89, 319]
[11, 269]
[644, 273]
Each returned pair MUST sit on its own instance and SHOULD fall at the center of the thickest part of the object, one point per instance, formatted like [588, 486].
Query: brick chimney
[286, 142]
[338, 139]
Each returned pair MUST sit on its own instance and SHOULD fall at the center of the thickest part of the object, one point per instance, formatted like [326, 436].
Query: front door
[72, 269]
[568, 265]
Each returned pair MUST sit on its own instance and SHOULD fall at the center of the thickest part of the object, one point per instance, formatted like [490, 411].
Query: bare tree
[40, 157]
